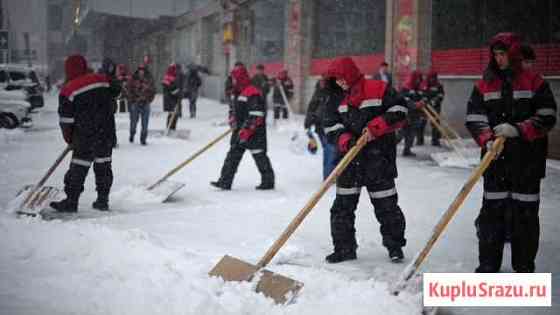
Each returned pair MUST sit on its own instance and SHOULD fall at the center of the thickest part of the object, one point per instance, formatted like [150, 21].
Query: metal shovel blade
[166, 189]
[183, 134]
[33, 201]
[280, 288]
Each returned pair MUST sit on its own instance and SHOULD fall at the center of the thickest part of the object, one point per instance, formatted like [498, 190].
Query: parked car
[18, 77]
[14, 109]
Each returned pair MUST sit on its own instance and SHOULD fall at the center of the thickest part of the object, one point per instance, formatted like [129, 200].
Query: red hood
[241, 78]
[75, 66]
[414, 80]
[282, 75]
[432, 79]
[344, 68]
[170, 74]
[512, 42]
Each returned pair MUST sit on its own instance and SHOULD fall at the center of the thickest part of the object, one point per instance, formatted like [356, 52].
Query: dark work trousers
[521, 197]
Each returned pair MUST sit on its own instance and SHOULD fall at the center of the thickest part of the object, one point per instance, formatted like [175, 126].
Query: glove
[345, 142]
[420, 104]
[232, 122]
[245, 134]
[506, 130]
[312, 146]
[484, 137]
[378, 127]
[67, 135]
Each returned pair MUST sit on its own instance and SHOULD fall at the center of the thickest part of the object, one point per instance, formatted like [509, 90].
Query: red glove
[485, 136]
[420, 104]
[378, 127]
[245, 134]
[67, 135]
[344, 142]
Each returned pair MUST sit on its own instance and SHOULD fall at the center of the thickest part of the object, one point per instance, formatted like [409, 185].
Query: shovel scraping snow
[167, 188]
[275, 286]
[34, 198]
[409, 272]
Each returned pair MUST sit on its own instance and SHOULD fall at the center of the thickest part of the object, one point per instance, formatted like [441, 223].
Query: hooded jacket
[247, 112]
[519, 97]
[433, 90]
[171, 89]
[85, 104]
[364, 102]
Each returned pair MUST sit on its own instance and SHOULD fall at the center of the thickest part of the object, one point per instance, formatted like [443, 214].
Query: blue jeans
[139, 110]
[329, 156]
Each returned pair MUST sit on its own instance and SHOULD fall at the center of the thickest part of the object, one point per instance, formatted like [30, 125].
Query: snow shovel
[434, 120]
[446, 217]
[443, 123]
[35, 197]
[168, 132]
[166, 188]
[280, 288]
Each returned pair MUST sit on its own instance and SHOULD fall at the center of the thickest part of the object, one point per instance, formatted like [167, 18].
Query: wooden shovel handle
[362, 141]
[191, 158]
[443, 122]
[434, 120]
[497, 147]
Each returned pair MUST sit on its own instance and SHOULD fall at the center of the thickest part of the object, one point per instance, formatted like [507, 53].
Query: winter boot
[221, 185]
[341, 255]
[143, 142]
[436, 143]
[265, 186]
[396, 254]
[101, 204]
[131, 138]
[65, 205]
[407, 152]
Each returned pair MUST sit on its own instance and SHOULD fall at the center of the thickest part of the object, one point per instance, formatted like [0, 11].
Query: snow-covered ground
[151, 258]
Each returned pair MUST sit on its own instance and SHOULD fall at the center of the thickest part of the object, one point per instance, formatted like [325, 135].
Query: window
[349, 27]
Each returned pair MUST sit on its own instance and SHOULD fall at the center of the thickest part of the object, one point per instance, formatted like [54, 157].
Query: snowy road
[152, 258]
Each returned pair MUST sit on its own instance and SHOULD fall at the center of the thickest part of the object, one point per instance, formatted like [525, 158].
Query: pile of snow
[90, 268]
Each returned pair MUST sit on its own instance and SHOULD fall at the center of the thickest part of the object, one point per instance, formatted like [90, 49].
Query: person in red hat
[86, 120]
[172, 95]
[247, 119]
[279, 104]
[512, 102]
[413, 93]
[433, 90]
[372, 107]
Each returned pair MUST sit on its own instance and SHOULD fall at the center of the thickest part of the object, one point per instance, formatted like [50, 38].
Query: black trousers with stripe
[514, 203]
[86, 151]
[234, 156]
[384, 198]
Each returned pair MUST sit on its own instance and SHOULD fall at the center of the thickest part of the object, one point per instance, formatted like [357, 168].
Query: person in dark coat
[383, 74]
[372, 107]
[327, 93]
[141, 91]
[433, 90]
[280, 106]
[87, 123]
[172, 95]
[517, 104]
[247, 119]
[414, 95]
[192, 85]
[261, 81]
[109, 69]
[123, 76]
